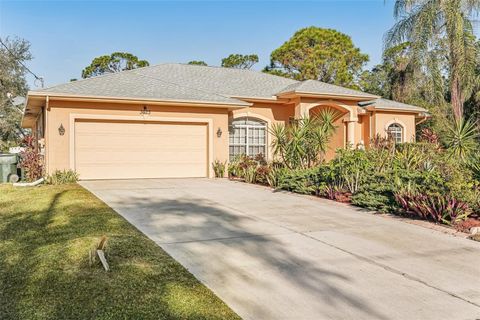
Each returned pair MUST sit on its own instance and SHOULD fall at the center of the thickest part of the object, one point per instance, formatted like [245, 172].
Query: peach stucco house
[174, 120]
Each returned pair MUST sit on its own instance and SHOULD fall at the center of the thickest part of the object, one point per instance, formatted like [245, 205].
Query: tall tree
[240, 61]
[400, 79]
[440, 23]
[321, 54]
[472, 105]
[12, 84]
[376, 81]
[116, 62]
[198, 63]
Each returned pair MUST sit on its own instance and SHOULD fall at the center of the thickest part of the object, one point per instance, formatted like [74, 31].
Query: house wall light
[145, 111]
[219, 132]
[61, 130]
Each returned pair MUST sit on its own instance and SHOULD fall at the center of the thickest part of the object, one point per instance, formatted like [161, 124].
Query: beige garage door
[125, 150]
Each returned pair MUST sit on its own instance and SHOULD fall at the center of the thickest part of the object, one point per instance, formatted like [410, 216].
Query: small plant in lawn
[62, 177]
[219, 168]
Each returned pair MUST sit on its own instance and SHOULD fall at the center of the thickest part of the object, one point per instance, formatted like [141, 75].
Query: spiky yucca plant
[462, 138]
[304, 142]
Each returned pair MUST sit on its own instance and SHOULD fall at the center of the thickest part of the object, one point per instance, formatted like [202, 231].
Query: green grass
[45, 236]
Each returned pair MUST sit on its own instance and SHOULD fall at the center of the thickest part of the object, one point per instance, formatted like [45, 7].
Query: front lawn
[45, 236]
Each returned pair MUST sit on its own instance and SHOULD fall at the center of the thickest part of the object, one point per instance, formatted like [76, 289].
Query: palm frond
[462, 138]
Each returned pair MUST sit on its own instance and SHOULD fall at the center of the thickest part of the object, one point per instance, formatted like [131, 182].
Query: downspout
[46, 133]
[425, 117]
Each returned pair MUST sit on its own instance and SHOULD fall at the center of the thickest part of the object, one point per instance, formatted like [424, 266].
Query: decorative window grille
[395, 131]
[247, 136]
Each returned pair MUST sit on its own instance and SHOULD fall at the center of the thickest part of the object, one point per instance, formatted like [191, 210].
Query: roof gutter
[329, 95]
[24, 111]
[374, 108]
[133, 100]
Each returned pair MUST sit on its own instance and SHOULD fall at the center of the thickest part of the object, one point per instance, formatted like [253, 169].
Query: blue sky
[66, 35]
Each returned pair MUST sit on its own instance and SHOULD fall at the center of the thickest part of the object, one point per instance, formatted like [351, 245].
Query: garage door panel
[144, 172]
[122, 150]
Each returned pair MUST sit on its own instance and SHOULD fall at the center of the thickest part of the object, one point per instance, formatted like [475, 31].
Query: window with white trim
[395, 131]
[247, 136]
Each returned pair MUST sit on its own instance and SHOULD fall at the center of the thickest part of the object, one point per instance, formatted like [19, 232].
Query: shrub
[238, 166]
[62, 177]
[250, 174]
[304, 181]
[262, 173]
[429, 136]
[252, 170]
[376, 194]
[6, 145]
[219, 168]
[474, 165]
[352, 167]
[30, 160]
[437, 208]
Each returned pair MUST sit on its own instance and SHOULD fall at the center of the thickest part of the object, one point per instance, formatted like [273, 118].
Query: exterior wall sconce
[145, 111]
[61, 130]
[219, 132]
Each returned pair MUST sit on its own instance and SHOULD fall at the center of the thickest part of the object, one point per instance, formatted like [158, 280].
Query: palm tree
[431, 24]
[303, 143]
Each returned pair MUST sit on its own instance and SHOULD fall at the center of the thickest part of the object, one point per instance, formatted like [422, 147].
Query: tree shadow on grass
[45, 273]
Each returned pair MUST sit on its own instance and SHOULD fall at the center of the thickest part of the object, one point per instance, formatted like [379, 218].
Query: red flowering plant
[30, 160]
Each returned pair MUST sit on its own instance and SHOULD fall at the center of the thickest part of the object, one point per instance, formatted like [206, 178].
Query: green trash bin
[8, 166]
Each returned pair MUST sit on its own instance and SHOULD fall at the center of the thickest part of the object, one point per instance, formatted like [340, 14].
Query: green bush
[219, 168]
[374, 176]
[62, 177]
[304, 181]
[250, 169]
[376, 194]
[351, 168]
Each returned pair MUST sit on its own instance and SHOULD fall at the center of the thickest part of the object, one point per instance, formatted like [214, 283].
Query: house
[174, 120]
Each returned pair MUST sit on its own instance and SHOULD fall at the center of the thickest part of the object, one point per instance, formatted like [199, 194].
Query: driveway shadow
[225, 247]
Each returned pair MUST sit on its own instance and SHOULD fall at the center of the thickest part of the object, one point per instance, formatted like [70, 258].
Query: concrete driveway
[281, 256]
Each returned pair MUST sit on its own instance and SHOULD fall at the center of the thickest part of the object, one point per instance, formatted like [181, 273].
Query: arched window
[247, 136]
[395, 131]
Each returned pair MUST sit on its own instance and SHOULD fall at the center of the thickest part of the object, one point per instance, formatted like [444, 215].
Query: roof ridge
[112, 74]
[228, 68]
[300, 83]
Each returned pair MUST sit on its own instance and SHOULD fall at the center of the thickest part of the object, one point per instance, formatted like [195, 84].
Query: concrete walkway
[281, 256]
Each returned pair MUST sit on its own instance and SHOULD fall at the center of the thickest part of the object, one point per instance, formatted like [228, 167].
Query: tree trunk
[457, 98]
[455, 41]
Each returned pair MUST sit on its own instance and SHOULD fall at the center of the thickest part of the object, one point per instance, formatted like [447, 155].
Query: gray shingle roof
[394, 105]
[182, 82]
[179, 82]
[227, 81]
[135, 84]
[318, 87]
